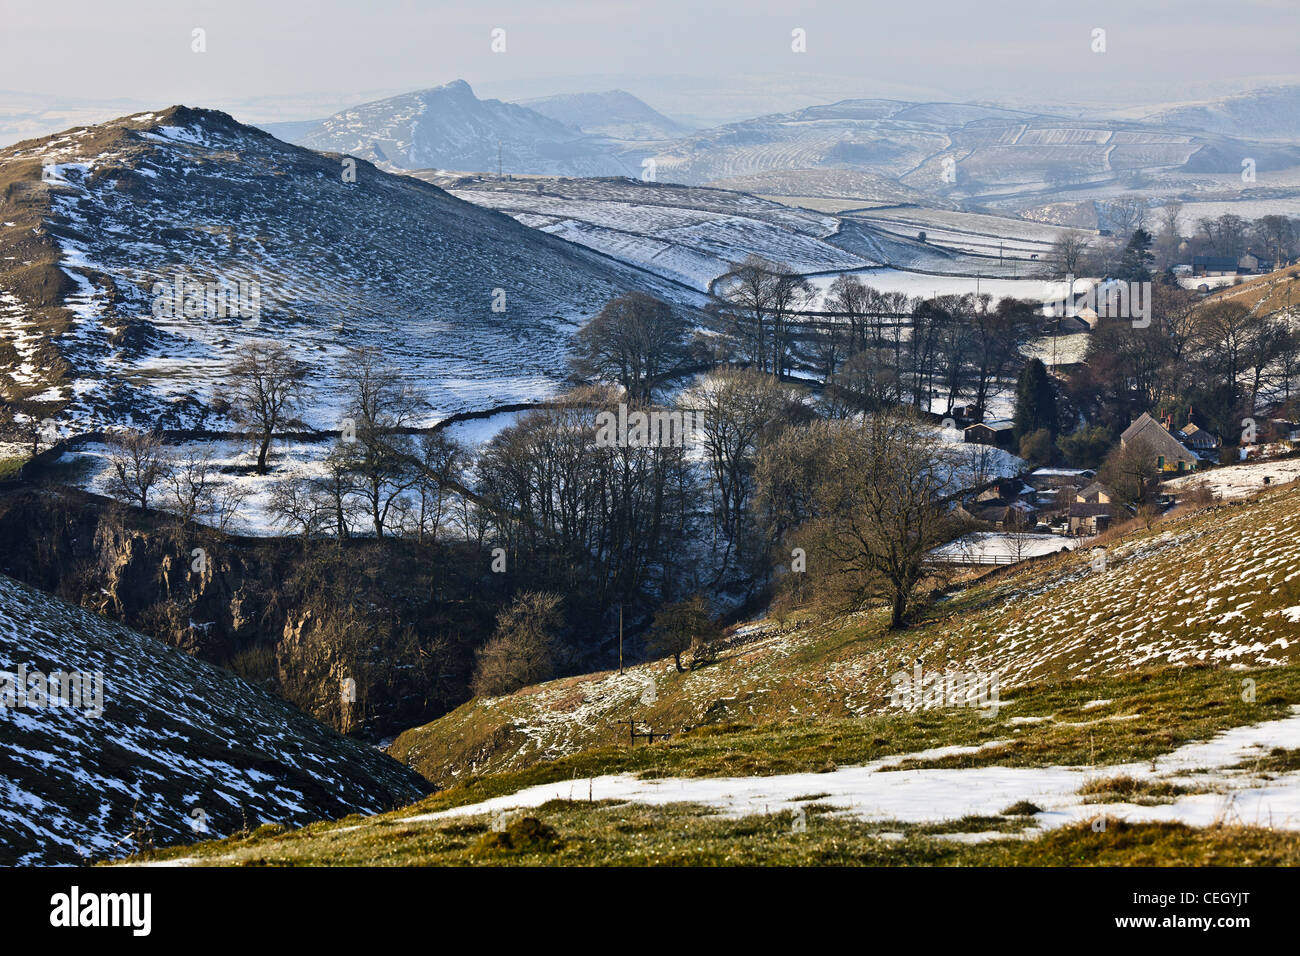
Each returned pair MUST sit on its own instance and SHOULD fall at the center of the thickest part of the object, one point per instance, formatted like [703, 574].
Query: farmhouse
[1170, 454]
[1095, 494]
[1090, 519]
[1230, 266]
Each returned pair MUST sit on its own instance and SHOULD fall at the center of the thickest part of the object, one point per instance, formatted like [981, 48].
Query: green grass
[1277, 760]
[575, 833]
[1151, 713]
[1158, 603]
[9, 468]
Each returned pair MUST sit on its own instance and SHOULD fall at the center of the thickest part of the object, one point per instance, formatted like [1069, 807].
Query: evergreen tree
[1135, 263]
[1035, 401]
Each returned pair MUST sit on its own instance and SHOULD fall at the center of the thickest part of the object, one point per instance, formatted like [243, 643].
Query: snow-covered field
[1239, 481]
[233, 461]
[688, 235]
[990, 547]
[924, 285]
[874, 792]
[479, 431]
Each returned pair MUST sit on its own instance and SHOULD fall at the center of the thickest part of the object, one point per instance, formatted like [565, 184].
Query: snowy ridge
[182, 750]
[383, 261]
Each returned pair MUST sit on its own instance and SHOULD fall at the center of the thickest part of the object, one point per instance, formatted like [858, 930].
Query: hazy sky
[290, 59]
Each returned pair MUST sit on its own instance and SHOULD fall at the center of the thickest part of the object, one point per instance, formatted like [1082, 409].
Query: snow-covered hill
[448, 127]
[615, 114]
[1270, 115]
[178, 751]
[91, 219]
[686, 234]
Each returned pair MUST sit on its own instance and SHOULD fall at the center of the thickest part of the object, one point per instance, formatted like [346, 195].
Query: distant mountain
[291, 130]
[448, 127]
[179, 750]
[91, 219]
[962, 153]
[1269, 115]
[614, 114]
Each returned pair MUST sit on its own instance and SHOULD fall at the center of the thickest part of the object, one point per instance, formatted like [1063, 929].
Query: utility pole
[620, 638]
[499, 175]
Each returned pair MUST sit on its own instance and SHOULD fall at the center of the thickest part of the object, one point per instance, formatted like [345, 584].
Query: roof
[1215, 262]
[1096, 488]
[1062, 473]
[1081, 509]
[1196, 437]
[1158, 437]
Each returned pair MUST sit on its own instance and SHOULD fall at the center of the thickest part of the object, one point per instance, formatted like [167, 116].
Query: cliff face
[362, 637]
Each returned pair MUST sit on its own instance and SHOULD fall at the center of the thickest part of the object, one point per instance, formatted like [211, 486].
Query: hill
[1219, 587]
[1147, 715]
[179, 751]
[448, 127]
[92, 218]
[615, 114]
[1274, 292]
[1269, 115]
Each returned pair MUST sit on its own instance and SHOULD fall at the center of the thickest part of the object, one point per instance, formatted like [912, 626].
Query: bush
[528, 835]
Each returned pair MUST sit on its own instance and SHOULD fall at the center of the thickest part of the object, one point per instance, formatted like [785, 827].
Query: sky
[708, 58]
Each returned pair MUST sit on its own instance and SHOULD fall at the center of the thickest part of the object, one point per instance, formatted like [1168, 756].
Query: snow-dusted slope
[615, 114]
[687, 234]
[448, 127]
[385, 261]
[181, 751]
[1270, 115]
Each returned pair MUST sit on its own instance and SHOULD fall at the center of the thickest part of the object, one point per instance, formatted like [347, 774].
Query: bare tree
[297, 506]
[1126, 214]
[634, 340]
[267, 391]
[442, 461]
[877, 508]
[522, 650]
[188, 477]
[1066, 256]
[683, 626]
[741, 410]
[380, 453]
[137, 465]
[1131, 471]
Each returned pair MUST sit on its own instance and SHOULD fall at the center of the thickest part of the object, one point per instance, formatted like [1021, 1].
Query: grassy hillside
[1277, 291]
[1219, 587]
[1148, 716]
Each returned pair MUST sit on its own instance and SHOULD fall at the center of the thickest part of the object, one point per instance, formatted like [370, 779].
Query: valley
[303, 479]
